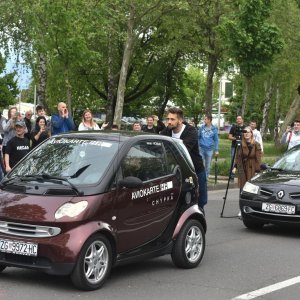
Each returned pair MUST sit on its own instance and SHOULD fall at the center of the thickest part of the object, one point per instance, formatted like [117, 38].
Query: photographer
[291, 137]
[247, 158]
[235, 135]
[9, 127]
[62, 121]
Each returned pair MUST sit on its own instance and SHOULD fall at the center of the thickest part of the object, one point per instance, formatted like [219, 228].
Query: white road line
[268, 289]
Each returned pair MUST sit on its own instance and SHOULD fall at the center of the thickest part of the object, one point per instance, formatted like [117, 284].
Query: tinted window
[81, 161]
[145, 160]
[170, 157]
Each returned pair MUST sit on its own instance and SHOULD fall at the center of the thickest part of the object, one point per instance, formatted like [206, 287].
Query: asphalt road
[236, 261]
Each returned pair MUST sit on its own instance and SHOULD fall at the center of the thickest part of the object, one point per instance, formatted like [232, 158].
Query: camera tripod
[237, 145]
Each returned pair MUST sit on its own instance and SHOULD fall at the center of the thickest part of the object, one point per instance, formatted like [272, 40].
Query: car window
[145, 160]
[170, 156]
[184, 151]
[81, 161]
[290, 161]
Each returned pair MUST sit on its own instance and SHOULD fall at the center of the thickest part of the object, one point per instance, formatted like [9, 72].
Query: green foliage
[8, 86]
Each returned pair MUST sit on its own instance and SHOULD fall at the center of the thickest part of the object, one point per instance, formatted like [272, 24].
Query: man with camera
[291, 137]
[62, 121]
[235, 135]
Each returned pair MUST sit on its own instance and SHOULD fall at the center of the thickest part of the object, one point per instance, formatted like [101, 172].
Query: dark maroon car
[81, 203]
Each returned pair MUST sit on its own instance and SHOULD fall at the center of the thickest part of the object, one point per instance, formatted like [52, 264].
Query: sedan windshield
[81, 161]
[290, 161]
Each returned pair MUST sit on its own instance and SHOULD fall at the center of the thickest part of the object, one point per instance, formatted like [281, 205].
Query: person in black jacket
[179, 129]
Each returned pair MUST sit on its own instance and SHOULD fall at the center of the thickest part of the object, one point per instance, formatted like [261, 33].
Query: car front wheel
[189, 246]
[2, 267]
[94, 263]
[252, 224]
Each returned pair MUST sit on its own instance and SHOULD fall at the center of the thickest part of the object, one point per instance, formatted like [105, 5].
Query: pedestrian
[248, 158]
[257, 134]
[40, 131]
[28, 122]
[2, 118]
[208, 142]
[88, 122]
[9, 127]
[62, 121]
[136, 126]
[235, 135]
[179, 129]
[291, 137]
[40, 112]
[17, 147]
[150, 125]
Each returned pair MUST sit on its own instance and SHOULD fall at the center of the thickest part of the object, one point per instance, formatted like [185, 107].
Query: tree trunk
[291, 114]
[124, 69]
[42, 80]
[69, 90]
[276, 118]
[111, 86]
[212, 67]
[266, 109]
[245, 95]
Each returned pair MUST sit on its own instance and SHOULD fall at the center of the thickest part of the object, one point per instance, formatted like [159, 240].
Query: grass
[271, 154]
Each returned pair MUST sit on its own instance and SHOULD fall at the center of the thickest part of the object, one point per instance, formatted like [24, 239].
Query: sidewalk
[221, 184]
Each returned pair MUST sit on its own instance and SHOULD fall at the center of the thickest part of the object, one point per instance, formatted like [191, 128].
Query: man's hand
[7, 169]
[216, 153]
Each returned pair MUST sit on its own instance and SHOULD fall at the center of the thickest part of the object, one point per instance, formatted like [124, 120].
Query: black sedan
[273, 196]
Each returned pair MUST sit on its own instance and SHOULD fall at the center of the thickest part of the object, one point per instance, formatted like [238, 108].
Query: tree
[252, 41]
[8, 86]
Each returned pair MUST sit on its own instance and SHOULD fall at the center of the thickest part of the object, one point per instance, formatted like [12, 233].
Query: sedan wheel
[94, 264]
[189, 246]
[2, 267]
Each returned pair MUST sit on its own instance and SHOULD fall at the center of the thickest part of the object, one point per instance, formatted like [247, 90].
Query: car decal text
[152, 190]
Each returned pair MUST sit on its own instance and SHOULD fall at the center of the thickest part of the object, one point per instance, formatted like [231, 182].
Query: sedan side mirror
[130, 182]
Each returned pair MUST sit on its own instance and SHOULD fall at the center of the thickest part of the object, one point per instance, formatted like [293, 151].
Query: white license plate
[279, 208]
[18, 247]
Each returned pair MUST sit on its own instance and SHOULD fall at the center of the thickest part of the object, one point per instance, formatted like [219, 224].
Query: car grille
[27, 230]
[265, 192]
[295, 196]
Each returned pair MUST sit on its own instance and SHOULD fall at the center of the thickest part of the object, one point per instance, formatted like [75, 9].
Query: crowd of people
[18, 135]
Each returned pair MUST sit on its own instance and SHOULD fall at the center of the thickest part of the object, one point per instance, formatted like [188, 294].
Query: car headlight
[250, 188]
[71, 209]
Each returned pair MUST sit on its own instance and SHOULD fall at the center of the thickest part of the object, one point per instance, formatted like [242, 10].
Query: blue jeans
[202, 181]
[207, 157]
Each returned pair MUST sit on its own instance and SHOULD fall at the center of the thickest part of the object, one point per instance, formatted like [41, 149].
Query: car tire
[189, 246]
[94, 264]
[2, 267]
[252, 224]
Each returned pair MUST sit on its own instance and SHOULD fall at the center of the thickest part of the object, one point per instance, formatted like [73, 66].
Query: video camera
[238, 134]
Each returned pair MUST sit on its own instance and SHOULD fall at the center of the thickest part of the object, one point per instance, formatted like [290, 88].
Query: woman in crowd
[9, 127]
[248, 157]
[88, 123]
[40, 132]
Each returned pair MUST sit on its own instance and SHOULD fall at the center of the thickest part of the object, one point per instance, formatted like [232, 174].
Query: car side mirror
[130, 182]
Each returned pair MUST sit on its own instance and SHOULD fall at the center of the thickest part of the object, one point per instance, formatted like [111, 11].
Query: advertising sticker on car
[18, 247]
[279, 208]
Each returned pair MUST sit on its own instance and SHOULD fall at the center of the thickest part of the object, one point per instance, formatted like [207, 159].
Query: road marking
[268, 289]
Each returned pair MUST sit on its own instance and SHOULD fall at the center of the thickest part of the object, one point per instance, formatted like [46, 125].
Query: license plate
[279, 208]
[18, 247]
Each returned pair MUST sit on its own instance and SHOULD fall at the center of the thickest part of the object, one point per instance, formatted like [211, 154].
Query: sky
[24, 73]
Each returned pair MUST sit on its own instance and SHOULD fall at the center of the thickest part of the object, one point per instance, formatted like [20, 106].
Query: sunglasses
[246, 131]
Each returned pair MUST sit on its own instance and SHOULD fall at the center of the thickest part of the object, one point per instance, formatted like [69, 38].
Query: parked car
[81, 203]
[274, 195]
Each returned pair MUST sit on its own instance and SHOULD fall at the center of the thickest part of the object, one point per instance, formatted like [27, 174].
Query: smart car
[81, 203]
[274, 195]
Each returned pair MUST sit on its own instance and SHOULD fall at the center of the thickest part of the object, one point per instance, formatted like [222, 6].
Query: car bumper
[252, 210]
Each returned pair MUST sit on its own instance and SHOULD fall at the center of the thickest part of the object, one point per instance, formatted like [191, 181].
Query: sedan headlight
[71, 209]
[250, 188]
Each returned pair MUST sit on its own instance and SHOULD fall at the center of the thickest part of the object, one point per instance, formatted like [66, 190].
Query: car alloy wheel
[94, 263]
[189, 246]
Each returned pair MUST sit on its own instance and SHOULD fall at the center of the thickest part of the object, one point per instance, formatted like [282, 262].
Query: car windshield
[81, 161]
[290, 161]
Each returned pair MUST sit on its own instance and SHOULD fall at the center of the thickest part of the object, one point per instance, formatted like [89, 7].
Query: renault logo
[280, 194]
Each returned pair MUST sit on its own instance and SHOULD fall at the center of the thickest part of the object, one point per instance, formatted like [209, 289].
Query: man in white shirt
[256, 134]
[292, 137]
